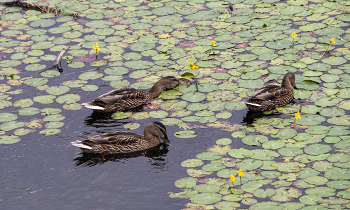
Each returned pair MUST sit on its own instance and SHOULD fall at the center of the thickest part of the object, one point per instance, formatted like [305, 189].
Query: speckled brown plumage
[124, 141]
[272, 96]
[126, 98]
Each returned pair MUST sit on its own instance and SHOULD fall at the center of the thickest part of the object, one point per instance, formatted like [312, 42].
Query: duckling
[272, 96]
[116, 142]
[126, 98]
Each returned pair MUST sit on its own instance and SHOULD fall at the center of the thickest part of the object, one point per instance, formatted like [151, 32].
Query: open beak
[165, 139]
[295, 88]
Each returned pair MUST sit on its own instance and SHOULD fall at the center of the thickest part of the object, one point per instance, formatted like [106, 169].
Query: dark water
[47, 172]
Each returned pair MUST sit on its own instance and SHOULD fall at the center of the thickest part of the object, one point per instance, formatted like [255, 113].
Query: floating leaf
[9, 139]
[185, 134]
[192, 163]
[50, 132]
[208, 155]
[57, 90]
[285, 194]
[206, 198]
[121, 115]
[5, 117]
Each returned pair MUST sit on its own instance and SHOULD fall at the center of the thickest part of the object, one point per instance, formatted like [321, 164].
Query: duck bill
[165, 140]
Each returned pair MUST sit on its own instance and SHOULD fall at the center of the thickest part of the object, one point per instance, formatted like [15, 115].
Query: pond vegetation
[294, 157]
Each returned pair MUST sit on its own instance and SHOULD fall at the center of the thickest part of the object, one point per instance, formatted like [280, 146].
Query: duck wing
[268, 92]
[115, 138]
[120, 94]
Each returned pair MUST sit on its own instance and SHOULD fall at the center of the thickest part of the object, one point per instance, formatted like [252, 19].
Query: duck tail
[250, 103]
[79, 144]
[90, 106]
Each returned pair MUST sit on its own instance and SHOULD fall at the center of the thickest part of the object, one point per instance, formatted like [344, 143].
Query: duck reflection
[251, 116]
[100, 119]
[155, 153]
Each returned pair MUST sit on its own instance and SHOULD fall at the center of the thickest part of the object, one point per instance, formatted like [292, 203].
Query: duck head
[168, 82]
[157, 129]
[288, 81]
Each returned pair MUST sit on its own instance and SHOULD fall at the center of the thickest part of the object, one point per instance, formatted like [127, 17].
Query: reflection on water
[251, 116]
[156, 153]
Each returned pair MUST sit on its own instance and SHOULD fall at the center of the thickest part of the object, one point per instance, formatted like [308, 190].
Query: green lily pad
[260, 193]
[44, 99]
[254, 140]
[284, 194]
[5, 117]
[227, 205]
[194, 97]
[208, 156]
[187, 182]
[72, 106]
[35, 82]
[224, 141]
[310, 120]
[213, 167]
[51, 125]
[9, 139]
[316, 180]
[185, 134]
[7, 126]
[250, 164]
[57, 90]
[28, 111]
[206, 198]
[54, 118]
[192, 163]
[285, 151]
[68, 98]
[343, 120]
[121, 115]
[50, 132]
[334, 60]
[251, 186]
[158, 114]
[320, 191]
[22, 131]
[207, 188]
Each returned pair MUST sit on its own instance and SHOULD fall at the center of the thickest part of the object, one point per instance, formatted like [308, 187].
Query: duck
[271, 96]
[126, 98]
[117, 142]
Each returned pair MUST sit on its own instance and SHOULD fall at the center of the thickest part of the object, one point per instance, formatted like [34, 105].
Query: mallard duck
[272, 96]
[124, 141]
[126, 98]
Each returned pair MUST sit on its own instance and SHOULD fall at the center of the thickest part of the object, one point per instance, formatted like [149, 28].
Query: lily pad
[206, 198]
[9, 139]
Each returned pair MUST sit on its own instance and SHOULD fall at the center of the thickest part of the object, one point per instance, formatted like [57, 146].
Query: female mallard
[272, 96]
[124, 141]
[127, 98]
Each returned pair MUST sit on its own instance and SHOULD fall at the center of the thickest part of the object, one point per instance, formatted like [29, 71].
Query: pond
[236, 46]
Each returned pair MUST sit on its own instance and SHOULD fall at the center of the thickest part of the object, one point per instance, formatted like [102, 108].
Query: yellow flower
[294, 35]
[96, 47]
[190, 63]
[195, 67]
[297, 115]
[332, 40]
[213, 43]
[232, 178]
[240, 172]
